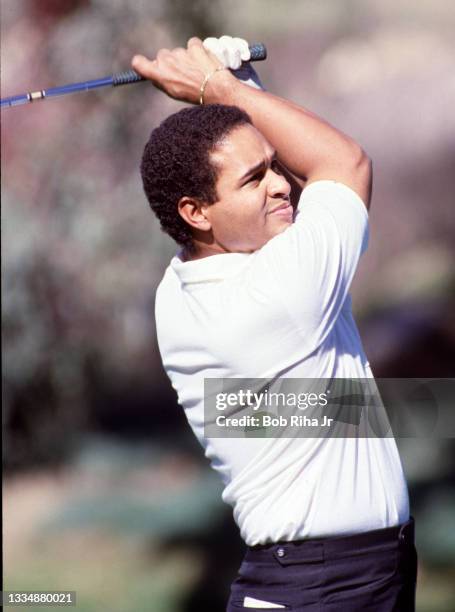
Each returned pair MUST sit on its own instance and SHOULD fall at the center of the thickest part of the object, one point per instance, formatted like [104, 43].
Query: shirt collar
[214, 268]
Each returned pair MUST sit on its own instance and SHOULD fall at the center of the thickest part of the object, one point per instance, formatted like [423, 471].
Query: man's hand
[180, 72]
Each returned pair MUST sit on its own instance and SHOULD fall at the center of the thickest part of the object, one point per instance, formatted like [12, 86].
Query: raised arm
[307, 145]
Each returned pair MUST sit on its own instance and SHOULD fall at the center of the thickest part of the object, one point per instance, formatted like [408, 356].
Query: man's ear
[193, 212]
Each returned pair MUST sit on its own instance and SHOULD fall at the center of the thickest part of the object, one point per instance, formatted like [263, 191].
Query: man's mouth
[285, 209]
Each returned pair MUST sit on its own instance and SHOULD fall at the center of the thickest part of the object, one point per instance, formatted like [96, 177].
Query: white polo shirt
[283, 311]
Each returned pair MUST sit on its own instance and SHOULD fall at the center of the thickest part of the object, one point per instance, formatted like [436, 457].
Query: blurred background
[105, 490]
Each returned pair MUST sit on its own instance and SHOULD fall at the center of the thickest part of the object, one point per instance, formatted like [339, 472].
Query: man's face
[253, 202]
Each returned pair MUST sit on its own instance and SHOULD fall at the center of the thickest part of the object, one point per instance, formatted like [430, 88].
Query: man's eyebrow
[257, 167]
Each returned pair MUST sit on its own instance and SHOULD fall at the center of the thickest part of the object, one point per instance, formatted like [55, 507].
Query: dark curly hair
[176, 162]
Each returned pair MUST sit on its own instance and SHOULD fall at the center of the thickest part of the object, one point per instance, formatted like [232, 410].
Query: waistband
[321, 549]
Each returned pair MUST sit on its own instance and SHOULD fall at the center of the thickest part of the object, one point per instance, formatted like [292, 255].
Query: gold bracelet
[205, 81]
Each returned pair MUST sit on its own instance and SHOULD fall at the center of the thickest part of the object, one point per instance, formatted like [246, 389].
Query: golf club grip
[258, 53]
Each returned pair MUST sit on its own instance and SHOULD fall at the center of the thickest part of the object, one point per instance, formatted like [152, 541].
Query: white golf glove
[234, 54]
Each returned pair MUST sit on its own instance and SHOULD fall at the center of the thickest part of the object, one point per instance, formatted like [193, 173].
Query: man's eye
[255, 177]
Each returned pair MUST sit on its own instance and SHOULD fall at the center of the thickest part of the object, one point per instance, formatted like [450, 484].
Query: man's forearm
[308, 146]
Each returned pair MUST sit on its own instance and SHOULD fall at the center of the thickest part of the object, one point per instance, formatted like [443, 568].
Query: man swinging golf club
[260, 290]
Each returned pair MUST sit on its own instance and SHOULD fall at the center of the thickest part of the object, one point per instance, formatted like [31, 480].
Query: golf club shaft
[258, 52]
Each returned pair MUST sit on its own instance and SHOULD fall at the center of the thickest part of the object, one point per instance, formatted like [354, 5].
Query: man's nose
[278, 185]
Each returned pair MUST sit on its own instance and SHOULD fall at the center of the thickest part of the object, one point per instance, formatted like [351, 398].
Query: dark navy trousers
[374, 571]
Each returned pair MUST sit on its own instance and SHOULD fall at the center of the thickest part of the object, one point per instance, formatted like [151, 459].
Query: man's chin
[277, 230]
[283, 225]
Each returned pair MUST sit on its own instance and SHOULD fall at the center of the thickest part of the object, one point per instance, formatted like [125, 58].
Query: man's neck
[201, 250]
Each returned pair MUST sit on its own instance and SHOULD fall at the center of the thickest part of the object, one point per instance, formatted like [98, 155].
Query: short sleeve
[310, 266]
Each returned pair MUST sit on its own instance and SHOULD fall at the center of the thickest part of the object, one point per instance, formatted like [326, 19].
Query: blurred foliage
[82, 257]
[201, 18]
[129, 527]
[115, 501]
